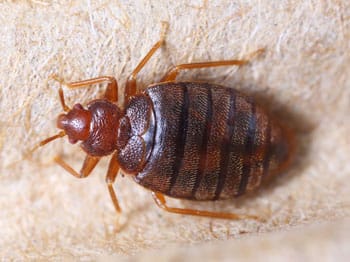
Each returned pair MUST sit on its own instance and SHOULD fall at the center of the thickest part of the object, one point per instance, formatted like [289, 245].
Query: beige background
[304, 77]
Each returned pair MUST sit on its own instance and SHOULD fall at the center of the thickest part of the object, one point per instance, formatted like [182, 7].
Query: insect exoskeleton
[187, 140]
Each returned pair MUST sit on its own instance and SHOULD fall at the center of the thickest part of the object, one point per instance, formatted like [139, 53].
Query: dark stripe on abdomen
[180, 139]
[196, 139]
[267, 153]
[225, 146]
[211, 172]
[204, 144]
[248, 151]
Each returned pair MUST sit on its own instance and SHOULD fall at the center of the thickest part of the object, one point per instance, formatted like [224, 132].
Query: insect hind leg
[161, 202]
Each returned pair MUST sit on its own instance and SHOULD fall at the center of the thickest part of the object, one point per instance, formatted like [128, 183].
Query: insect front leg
[172, 73]
[161, 202]
[89, 164]
[112, 173]
[111, 93]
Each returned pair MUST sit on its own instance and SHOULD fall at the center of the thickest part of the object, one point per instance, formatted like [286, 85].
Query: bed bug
[185, 140]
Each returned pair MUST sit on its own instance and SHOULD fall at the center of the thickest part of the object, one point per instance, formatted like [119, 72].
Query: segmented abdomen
[210, 142]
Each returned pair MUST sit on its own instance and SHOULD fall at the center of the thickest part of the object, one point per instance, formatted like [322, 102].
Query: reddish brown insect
[186, 140]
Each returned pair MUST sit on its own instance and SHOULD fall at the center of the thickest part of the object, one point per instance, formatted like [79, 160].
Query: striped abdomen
[210, 142]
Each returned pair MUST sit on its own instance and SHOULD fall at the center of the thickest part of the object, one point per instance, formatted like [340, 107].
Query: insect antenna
[63, 103]
[48, 140]
[61, 133]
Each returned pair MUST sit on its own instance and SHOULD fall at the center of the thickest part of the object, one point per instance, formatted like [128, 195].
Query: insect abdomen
[210, 142]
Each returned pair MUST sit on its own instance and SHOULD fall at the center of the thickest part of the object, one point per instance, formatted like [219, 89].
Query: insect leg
[172, 73]
[130, 86]
[89, 164]
[110, 178]
[161, 202]
[111, 93]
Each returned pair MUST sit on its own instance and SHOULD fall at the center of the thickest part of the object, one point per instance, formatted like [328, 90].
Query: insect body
[202, 142]
[187, 140]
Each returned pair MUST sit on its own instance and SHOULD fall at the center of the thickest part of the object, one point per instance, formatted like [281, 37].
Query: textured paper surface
[304, 77]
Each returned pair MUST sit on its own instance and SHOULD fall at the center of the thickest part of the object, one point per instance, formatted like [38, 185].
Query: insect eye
[78, 107]
[72, 140]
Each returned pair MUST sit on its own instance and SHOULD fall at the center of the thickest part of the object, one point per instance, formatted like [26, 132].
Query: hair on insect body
[186, 140]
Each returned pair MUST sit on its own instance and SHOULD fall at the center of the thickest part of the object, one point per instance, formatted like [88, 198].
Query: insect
[186, 140]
